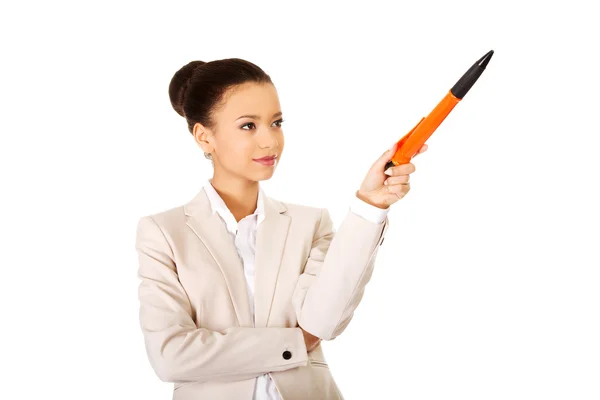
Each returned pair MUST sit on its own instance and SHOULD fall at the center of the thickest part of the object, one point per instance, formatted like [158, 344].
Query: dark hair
[197, 89]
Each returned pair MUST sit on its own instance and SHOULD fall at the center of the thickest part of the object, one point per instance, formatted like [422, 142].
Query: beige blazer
[194, 309]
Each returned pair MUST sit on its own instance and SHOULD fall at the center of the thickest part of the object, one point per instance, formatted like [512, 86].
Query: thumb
[385, 157]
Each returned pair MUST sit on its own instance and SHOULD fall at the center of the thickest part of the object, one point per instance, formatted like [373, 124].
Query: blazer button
[287, 355]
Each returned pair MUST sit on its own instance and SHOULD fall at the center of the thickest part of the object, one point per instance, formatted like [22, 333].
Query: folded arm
[339, 266]
[179, 351]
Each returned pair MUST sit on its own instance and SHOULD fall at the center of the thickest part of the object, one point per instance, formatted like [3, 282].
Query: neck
[240, 195]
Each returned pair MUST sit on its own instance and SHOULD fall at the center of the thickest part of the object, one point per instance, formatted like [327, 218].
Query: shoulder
[165, 219]
[317, 215]
[296, 209]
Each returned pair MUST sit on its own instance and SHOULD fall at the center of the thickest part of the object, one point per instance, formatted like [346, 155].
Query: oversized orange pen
[417, 136]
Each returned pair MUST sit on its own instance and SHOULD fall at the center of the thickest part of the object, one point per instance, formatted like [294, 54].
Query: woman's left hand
[311, 341]
[381, 190]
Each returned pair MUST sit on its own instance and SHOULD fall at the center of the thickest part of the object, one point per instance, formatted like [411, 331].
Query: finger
[403, 169]
[401, 195]
[423, 149]
[396, 180]
[385, 157]
[400, 189]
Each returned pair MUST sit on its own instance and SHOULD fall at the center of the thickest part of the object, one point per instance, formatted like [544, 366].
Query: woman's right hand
[381, 190]
[310, 340]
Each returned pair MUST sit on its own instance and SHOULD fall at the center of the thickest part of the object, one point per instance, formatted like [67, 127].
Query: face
[248, 127]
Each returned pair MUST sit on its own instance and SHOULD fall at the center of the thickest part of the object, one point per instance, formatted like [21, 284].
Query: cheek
[243, 150]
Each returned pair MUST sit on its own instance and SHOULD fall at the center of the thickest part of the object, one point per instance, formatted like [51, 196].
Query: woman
[237, 288]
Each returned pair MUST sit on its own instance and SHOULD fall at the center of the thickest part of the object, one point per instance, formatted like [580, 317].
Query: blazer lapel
[271, 236]
[270, 243]
[212, 232]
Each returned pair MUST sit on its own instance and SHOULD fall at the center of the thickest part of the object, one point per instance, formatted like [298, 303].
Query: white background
[488, 283]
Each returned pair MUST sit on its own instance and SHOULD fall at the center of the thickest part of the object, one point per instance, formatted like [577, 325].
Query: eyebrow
[258, 117]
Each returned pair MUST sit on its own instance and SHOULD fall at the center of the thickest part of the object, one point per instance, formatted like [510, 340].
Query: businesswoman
[237, 288]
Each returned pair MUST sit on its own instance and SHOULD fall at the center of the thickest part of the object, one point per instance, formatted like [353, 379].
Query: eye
[280, 121]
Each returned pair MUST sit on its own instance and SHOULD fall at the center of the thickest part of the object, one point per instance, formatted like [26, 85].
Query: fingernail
[388, 171]
[392, 148]
[385, 182]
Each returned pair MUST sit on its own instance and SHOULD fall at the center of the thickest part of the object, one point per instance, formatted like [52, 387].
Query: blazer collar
[271, 237]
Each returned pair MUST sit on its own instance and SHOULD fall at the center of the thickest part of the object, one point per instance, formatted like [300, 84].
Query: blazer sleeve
[177, 349]
[339, 266]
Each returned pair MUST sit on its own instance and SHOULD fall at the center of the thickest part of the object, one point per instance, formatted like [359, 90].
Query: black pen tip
[483, 61]
[464, 84]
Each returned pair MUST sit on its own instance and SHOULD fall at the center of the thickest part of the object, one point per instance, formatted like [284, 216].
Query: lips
[269, 158]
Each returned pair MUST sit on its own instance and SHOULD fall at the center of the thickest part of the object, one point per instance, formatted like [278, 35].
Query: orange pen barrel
[414, 140]
[410, 143]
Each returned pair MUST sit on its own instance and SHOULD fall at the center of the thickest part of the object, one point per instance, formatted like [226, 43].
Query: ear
[202, 136]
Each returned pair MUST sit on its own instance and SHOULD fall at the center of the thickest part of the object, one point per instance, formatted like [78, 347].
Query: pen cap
[464, 84]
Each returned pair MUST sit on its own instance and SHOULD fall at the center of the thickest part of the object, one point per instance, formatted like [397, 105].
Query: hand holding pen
[383, 188]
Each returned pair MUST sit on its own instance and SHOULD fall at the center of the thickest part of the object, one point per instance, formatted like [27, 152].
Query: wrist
[366, 199]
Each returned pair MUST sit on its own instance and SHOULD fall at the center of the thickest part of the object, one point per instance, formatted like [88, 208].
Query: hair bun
[179, 84]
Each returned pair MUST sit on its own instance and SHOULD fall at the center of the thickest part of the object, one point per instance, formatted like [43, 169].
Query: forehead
[251, 98]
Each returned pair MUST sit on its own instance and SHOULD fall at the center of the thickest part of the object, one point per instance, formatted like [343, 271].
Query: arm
[339, 266]
[179, 351]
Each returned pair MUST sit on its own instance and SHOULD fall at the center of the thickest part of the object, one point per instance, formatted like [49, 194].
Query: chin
[263, 177]
[256, 172]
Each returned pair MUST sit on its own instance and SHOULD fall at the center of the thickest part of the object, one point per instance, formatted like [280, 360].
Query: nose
[268, 139]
